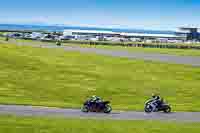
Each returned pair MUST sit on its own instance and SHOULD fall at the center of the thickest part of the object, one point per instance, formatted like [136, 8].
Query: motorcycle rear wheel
[107, 109]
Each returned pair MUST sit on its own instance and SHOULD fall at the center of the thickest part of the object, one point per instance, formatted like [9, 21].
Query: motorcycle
[96, 107]
[6, 39]
[152, 106]
[58, 43]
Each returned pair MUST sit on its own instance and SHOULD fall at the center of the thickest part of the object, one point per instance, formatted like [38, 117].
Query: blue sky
[146, 14]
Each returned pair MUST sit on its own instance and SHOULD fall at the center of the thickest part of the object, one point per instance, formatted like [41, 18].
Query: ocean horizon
[57, 28]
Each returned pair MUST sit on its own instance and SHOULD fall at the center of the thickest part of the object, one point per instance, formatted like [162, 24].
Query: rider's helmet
[155, 96]
[96, 98]
[93, 96]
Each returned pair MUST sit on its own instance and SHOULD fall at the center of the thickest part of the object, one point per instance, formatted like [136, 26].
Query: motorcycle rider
[96, 99]
[157, 100]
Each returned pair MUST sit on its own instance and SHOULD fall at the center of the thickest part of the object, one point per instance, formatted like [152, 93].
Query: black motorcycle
[152, 106]
[6, 39]
[58, 43]
[96, 107]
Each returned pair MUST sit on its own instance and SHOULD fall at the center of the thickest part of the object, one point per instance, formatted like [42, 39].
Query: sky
[142, 14]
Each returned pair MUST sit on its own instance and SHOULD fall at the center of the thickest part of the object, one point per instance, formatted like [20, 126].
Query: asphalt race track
[21, 110]
[187, 60]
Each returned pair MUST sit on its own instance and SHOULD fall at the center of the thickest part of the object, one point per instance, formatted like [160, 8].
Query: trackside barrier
[131, 44]
[143, 45]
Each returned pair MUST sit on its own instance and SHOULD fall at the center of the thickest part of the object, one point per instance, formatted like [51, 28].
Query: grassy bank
[11, 124]
[53, 77]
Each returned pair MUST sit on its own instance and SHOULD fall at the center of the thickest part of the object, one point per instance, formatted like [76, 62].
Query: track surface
[75, 113]
[186, 60]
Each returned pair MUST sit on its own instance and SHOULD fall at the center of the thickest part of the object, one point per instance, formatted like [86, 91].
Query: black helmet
[155, 96]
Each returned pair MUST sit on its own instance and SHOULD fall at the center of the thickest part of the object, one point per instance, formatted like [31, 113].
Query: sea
[57, 28]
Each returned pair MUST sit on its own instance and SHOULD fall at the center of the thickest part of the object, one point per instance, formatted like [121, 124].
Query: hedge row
[139, 44]
[135, 44]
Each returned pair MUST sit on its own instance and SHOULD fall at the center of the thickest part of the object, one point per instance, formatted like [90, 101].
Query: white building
[90, 32]
[117, 36]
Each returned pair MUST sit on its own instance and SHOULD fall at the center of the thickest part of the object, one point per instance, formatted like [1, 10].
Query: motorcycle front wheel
[148, 109]
[85, 108]
[167, 109]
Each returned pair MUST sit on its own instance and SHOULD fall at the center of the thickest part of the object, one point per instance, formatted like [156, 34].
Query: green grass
[11, 124]
[53, 77]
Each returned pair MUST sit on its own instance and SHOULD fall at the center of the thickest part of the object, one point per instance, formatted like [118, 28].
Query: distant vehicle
[162, 40]
[148, 41]
[83, 37]
[64, 37]
[113, 39]
[49, 37]
[27, 36]
[15, 35]
[135, 39]
[36, 35]
[94, 39]
[152, 106]
[175, 41]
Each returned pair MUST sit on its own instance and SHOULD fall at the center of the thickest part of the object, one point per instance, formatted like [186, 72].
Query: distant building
[190, 33]
[151, 36]
[90, 32]
[110, 34]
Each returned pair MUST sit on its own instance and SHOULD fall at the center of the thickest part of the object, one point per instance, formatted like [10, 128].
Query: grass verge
[12, 124]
